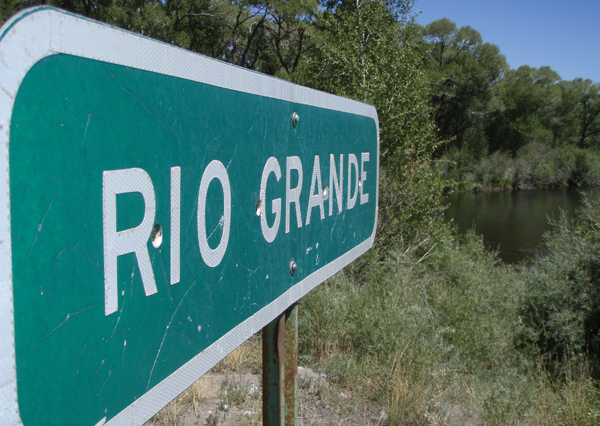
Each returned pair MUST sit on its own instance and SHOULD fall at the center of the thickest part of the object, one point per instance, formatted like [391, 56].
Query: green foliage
[480, 107]
[366, 51]
[535, 165]
[461, 70]
[528, 159]
[364, 54]
[439, 306]
[8, 8]
[494, 169]
[582, 105]
[272, 36]
[561, 308]
[429, 333]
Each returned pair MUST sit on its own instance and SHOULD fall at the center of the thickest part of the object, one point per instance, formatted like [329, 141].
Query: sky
[564, 35]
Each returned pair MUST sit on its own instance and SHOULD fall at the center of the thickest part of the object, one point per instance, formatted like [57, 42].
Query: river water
[513, 222]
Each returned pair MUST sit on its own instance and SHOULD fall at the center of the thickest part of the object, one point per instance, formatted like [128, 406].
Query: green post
[280, 369]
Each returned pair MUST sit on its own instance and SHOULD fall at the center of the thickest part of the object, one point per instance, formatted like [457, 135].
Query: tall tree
[528, 99]
[582, 100]
[461, 70]
[271, 36]
[367, 51]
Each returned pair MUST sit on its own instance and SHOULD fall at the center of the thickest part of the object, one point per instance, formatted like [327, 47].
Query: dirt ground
[232, 399]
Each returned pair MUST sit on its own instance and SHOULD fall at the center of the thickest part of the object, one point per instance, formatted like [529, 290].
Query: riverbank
[477, 188]
[535, 166]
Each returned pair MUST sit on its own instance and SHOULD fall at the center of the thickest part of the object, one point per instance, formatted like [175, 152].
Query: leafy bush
[528, 159]
[535, 164]
[560, 313]
[587, 167]
[424, 322]
[429, 333]
[457, 164]
[368, 50]
[491, 170]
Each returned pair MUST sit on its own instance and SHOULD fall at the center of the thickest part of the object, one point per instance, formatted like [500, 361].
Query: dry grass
[409, 397]
[169, 416]
[197, 394]
[570, 398]
[246, 357]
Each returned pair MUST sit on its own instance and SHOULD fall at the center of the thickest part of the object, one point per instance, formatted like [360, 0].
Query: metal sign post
[157, 209]
[280, 369]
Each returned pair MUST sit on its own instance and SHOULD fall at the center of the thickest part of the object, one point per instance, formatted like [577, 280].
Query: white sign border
[38, 32]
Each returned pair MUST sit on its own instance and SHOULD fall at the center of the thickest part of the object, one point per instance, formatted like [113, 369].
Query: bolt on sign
[157, 208]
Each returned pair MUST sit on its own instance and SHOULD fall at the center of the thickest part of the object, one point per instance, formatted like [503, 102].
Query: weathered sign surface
[157, 208]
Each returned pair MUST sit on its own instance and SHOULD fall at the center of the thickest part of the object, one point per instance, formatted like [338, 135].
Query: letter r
[129, 240]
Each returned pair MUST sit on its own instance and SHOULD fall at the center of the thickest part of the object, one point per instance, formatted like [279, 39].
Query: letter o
[215, 170]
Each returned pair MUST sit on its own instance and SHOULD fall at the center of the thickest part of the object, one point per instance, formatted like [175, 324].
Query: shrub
[421, 324]
[528, 159]
[535, 164]
[491, 170]
[456, 164]
[587, 167]
[560, 313]
[428, 334]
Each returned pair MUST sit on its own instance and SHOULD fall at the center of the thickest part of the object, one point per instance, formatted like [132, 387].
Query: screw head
[293, 267]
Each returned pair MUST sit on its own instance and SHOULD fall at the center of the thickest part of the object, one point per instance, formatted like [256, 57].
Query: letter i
[175, 222]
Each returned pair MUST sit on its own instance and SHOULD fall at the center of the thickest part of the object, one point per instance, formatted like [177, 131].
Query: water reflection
[513, 222]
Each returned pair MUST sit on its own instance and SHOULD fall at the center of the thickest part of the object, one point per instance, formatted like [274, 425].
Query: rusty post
[290, 365]
[272, 415]
[280, 369]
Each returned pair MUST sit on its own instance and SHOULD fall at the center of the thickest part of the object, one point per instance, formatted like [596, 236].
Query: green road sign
[157, 208]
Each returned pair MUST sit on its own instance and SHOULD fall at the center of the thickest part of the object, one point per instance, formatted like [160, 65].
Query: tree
[582, 100]
[8, 8]
[367, 51]
[270, 36]
[267, 36]
[528, 100]
[560, 313]
[461, 70]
